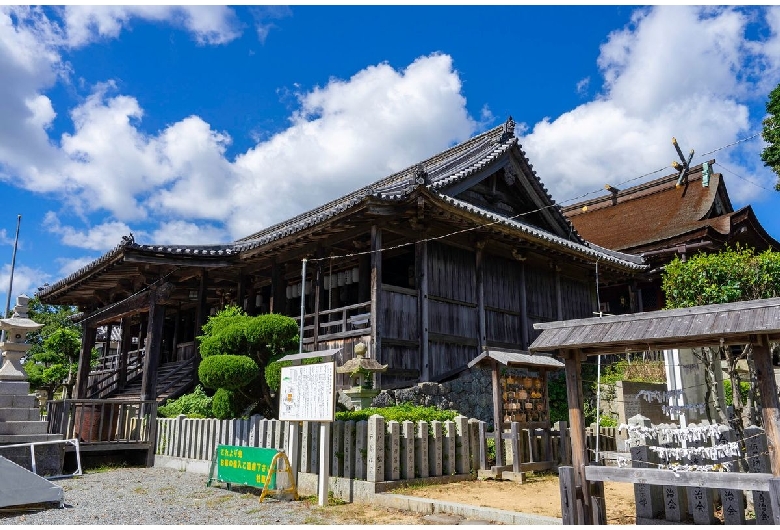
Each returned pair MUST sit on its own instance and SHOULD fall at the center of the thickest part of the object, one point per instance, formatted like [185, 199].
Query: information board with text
[307, 392]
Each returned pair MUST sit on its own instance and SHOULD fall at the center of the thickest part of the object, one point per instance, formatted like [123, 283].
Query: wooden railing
[343, 322]
[103, 382]
[185, 371]
[103, 421]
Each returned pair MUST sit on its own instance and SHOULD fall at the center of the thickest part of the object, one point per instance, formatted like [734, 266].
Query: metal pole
[303, 304]
[11, 280]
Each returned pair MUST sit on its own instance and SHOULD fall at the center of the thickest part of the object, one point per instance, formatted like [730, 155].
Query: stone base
[49, 458]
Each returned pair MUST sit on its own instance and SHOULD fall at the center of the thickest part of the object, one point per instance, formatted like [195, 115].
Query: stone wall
[471, 394]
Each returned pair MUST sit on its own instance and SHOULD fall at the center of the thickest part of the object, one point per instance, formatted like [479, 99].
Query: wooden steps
[173, 380]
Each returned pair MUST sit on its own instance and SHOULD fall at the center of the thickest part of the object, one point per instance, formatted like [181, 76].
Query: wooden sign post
[307, 393]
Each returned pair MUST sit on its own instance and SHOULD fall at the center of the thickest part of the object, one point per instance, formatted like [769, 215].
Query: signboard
[307, 392]
[245, 465]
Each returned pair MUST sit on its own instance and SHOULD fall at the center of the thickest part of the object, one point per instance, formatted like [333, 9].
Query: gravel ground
[139, 496]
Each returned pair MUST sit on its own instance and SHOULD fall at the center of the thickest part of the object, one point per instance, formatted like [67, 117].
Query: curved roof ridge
[397, 178]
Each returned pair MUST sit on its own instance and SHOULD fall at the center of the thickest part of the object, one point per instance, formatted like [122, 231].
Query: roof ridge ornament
[421, 176]
[509, 129]
[128, 240]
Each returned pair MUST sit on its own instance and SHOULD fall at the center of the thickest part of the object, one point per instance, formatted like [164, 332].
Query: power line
[743, 178]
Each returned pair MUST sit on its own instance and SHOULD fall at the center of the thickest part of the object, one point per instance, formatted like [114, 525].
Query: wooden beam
[770, 409]
[376, 291]
[498, 414]
[153, 348]
[573, 365]
[666, 477]
[180, 261]
[480, 287]
[421, 264]
[124, 349]
[88, 336]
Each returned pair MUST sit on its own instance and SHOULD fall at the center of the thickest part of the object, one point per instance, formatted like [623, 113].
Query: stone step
[23, 427]
[14, 388]
[8, 439]
[19, 414]
[28, 401]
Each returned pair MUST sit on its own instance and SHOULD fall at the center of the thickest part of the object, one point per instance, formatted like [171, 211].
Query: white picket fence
[373, 450]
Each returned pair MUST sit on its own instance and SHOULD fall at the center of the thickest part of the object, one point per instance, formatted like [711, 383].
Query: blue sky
[198, 125]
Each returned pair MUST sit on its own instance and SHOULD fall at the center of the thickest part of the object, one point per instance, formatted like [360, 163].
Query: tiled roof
[587, 250]
[117, 254]
[650, 212]
[436, 173]
[516, 357]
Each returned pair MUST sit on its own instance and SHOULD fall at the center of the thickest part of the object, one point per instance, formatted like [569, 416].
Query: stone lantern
[361, 375]
[15, 345]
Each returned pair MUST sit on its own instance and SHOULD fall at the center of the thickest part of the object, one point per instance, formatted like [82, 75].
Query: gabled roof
[652, 212]
[439, 175]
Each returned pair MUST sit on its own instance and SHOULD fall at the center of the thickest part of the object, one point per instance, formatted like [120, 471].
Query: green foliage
[731, 275]
[226, 404]
[771, 134]
[231, 372]
[260, 339]
[399, 413]
[54, 362]
[273, 372]
[195, 405]
[744, 389]
[556, 392]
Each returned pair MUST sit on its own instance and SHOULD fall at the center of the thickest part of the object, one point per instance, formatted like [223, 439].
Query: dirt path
[540, 495]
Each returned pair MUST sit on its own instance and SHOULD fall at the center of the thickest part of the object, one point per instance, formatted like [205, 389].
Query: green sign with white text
[245, 465]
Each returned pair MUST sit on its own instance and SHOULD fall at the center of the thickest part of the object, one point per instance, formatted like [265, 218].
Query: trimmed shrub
[226, 404]
[230, 372]
[399, 413]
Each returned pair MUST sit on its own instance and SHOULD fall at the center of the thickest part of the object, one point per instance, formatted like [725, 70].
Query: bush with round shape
[231, 372]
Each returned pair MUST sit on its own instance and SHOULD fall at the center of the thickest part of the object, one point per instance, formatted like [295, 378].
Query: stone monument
[361, 373]
[20, 417]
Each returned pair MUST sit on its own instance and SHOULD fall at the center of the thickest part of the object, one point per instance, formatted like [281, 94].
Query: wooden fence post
[482, 440]
[774, 498]
[732, 500]
[568, 489]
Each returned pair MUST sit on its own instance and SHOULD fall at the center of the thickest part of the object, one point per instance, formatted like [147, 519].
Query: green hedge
[744, 390]
[399, 413]
[273, 371]
[195, 405]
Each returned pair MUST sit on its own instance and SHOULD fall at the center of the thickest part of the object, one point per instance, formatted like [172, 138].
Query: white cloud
[101, 237]
[347, 134]
[661, 82]
[207, 24]
[70, 265]
[184, 233]
[26, 281]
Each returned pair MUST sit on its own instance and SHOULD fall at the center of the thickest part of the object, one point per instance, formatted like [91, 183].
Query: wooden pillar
[153, 348]
[376, 291]
[523, 309]
[124, 348]
[421, 263]
[770, 411]
[251, 307]
[573, 365]
[201, 310]
[176, 331]
[481, 331]
[364, 278]
[107, 341]
[88, 336]
[318, 281]
[558, 298]
[498, 414]
[278, 290]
